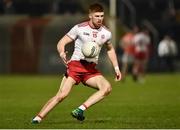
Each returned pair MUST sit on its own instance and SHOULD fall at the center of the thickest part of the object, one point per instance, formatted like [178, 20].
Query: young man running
[81, 69]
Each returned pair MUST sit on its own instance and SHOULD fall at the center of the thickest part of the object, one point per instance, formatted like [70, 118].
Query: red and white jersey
[141, 42]
[83, 33]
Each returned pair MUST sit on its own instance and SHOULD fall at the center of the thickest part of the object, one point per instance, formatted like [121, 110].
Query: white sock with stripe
[83, 107]
[37, 118]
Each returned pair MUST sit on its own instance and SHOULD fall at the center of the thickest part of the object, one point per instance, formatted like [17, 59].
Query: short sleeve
[73, 32]
[109, 38]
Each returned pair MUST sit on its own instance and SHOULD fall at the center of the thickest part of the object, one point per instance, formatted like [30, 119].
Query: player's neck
[92, 25]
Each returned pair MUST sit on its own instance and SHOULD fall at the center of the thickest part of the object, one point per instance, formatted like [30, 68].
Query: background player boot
[78, 114]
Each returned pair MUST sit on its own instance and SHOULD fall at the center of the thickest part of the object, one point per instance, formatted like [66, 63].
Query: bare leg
[135, 70]
[142, 70]
[124, 70]
[103, 86]
[50, 100]
[64, 90]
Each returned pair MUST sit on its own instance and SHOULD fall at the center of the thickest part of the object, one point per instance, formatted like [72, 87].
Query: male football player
[82, 69]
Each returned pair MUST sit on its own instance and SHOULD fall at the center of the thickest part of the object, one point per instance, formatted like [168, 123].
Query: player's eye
[99, 16]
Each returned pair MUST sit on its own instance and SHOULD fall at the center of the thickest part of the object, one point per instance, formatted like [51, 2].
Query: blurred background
[30, 30]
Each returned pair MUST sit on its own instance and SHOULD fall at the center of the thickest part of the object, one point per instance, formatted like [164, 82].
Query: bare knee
[60, 97]
[107, 89]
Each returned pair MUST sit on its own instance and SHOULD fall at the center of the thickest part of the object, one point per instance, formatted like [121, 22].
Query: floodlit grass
[155, 104]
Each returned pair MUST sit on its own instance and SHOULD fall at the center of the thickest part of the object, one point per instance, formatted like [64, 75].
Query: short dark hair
[96, 7]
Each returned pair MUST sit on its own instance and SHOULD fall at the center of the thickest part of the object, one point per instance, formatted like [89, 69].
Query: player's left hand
[118, 73]
[118, 76]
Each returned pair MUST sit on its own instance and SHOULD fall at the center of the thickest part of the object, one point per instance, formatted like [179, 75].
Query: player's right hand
[63, 57]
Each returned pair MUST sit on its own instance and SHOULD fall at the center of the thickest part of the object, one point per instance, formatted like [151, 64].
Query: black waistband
[86, 62]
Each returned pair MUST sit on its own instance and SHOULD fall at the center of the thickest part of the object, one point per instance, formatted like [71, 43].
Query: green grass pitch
[155, 104]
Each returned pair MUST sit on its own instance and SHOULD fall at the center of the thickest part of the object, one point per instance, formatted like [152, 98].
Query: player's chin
[98, 25]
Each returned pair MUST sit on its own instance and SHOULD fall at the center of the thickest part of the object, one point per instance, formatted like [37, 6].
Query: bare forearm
[112, 56]
[62, 43]
[114, 61]
[61, 47]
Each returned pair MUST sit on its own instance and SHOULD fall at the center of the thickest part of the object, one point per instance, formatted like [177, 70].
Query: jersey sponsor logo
[85, 33]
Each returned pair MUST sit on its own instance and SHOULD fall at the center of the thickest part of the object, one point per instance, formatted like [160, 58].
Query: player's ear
[90, 16]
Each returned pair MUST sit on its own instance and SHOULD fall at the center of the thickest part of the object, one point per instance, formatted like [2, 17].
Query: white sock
[37, 118]
[82, 107]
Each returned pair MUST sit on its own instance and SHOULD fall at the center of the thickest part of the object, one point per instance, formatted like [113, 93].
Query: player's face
[96, 19]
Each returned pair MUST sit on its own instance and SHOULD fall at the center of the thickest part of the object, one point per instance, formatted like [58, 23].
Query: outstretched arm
[113, 58]
[61, 47]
